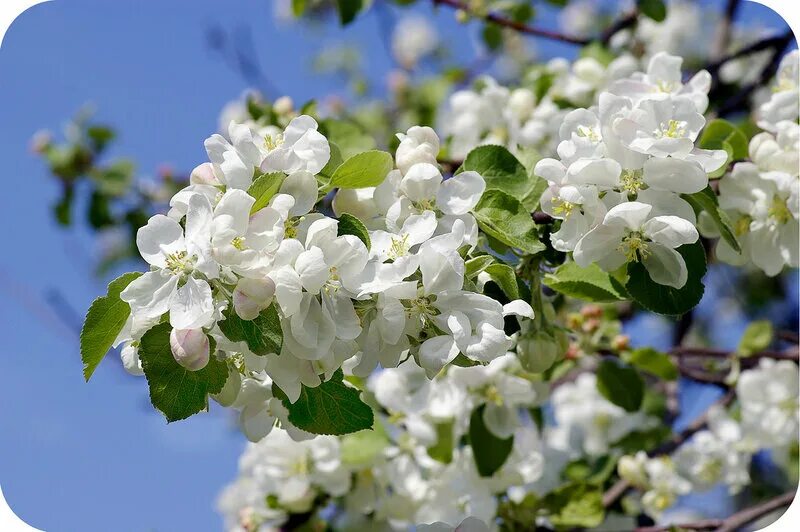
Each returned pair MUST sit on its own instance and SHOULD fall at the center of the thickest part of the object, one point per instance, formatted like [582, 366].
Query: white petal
[302, 186]
[666, 266]
[160, 237]
[436, 352]
[518, 307]
[670, 231]
[629, 215]
[675, 175]
[312, 269]
[460, 193]
[192, 307]
[421, 182]
[150, 294]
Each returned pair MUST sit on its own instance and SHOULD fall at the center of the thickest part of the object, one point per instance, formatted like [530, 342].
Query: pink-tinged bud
[283, 105]
[251, 296]
[204, 175]
[190, 347]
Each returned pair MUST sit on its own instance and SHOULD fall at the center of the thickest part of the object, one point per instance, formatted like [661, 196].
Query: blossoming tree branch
[415, 310]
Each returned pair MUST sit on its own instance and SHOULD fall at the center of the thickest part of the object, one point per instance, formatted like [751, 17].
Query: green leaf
[350, 138]
[506, 279]
[331, 408]
[350, 225]
[665, 299]
[348, 9]
[653, 362]
[502, 171]
[263, 335]
[298, 7]
[489, 451]
[361, 448]
[757, 337]
[720, 134]
[264, 188]
[115, 179]
[492, 35]
[503, 217]
[654, 9]
[476, 265]
[443, 450]
[589, 284]
[706, 200]
[620, 384]
[575, 505]
[366, 169]
[333, 163]
[104, 320]
[598, 52]
[174, 390]
[591, 470]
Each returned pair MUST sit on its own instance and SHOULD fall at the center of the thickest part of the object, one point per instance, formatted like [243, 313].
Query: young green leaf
[664, 299]
[575, 505]
[361, 448]
[757, 337]
[348, 9]
[506, 279]
[502, 171]
[476, 265]
[331, 408]
[722, 135]
[503, 217]
[333, 163]
[174, 390]
[706, 200]
[589, 284]
[263, 335]
[488, 451]
[653, 362]
[264, 188]
[442, 451]
[104, 320]
[350, 225]
[654, 9]
[620, 384]
[366, 169]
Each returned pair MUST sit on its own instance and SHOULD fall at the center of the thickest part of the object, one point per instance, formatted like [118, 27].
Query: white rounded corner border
[11, 9]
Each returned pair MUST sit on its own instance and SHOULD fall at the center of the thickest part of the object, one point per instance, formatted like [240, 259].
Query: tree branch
[731, 523]
[514, 25]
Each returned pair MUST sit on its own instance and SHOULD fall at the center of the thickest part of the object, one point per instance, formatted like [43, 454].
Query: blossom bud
[419, 145]
[591, 325]
[631, 468]
[521, 102]
[231, 389]
[251, 296]
[537, 351]
[283, 105]
[620, 342]
[203, 175]
[190, 347]
[592, 311]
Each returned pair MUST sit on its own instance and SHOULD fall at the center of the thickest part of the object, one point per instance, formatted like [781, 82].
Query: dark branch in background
[621, 486]
[723, 36]
[733, 522]
[237, 49]
[740, 100]
[763, 44]
[514, 25]
[623, 23]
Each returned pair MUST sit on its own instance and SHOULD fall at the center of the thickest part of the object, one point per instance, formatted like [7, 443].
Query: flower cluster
[226, 255]
[621, 170]
[721, 453]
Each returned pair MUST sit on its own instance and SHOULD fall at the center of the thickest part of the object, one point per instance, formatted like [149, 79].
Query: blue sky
[76, 456]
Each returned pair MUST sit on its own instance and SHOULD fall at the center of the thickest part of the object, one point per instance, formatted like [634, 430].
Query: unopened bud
[537, 351]
[621, 342]
[590, 325]
[251, 296]
[631, 468]
[190, 347]
[592, 311]
[283, 105]
[203, 175]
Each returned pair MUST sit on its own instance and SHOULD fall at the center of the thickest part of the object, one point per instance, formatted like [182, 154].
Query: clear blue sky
[96, 457]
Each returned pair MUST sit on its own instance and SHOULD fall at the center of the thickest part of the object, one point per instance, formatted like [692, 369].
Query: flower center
[743, 225]
[273, 142]
[238, 243]
[179, 262]
[666, 86]
[399, 247]
[590, 133]
[561, 207]
[779, 211]
[632, 180]
[634, 246]
[674, 129]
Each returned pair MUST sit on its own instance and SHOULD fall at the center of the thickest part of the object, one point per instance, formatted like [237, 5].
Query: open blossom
[783, 104]
[299, 148]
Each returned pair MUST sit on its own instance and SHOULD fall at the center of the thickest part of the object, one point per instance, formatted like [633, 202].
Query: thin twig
[723, 36]
[758, 46]
[513, 24]
[622, 23]
[789, 354]
[731, 523]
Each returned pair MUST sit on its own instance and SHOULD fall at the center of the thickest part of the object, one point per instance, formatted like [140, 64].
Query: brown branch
[767, 43]
[513, 24]
[622, 23]
[790, 354]
[731, 523]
